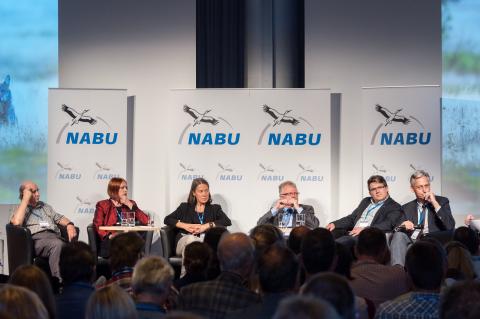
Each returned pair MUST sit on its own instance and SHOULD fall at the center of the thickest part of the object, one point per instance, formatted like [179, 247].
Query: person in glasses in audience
[287, 210]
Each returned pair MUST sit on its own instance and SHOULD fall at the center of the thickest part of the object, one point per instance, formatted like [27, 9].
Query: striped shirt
[40, 218]
[413, 305]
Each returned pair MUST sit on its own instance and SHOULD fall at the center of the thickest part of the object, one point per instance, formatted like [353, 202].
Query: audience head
[459, 261]
[318, 251]
[34, 279]
[195, 191]
[213, 235]
[125, 250]
[114, 186]
[425, 266]
[468, 237]
[277, 270]
[152, 276]
[21, 303]
[304, 307]
[460, 301]
[110, 302]
[265, 235]
[294, 241]
[344, 261]
[334, 289]
[176, 314]
[372, 243]
[236, 254]
[196, 258]
[77, 263]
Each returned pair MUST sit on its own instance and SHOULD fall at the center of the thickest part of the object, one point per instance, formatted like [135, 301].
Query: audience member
[426, 269]
[212, 238]
[469, 238]
[344, 262]
[264, 236]
[182, 315]
[294, 241]
[459, 262]
[77, 267]
[305, 307]
[227, 293]
[34, 279]
[110, 302]
[460, 301]
[318, 252]
[372, 278]
[151, 282]
[21, 303]
[334, 289]
[125, 250]
[196, 259]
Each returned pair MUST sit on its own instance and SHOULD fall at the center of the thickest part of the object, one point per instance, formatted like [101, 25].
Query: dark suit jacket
[387, 217]
[310, 220]
[437, 221]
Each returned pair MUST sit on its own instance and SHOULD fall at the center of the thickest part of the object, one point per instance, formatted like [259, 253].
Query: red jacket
[106, 215]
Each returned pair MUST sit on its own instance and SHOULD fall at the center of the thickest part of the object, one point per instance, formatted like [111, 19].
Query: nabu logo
[398, 138]
[288, 139]
[84, 118]
[66, 172]
[103, 172]
[206, 118]
[226, 174]
[381, 170]
[84, 206]
[267, 174]
[307, 174]
[187, 173]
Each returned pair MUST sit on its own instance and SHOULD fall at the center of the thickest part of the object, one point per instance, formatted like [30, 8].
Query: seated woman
[108, 212]
[197, 215]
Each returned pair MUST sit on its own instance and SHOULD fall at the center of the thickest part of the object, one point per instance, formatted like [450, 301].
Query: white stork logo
[78, 116]
[279, 118]
[391, 116]
[198, 117]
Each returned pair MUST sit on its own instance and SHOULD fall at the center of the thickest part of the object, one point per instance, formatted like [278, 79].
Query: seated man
[286, 209]
[42, 221]
[379, 211]
[426, 214]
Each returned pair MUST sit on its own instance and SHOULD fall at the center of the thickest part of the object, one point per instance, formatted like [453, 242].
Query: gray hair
[418, 174]
[153, 275]
[286, 183]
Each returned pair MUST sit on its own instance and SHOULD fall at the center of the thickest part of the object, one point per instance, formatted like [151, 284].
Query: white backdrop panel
[87, 145]
[401, 134]
[237, 140]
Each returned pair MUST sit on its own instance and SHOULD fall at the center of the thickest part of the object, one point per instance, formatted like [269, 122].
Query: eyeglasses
[377, 188]
[290, 194]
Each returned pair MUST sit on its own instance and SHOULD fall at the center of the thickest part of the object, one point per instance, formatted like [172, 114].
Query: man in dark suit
[287, 208]
[427, 214]
[379, 211]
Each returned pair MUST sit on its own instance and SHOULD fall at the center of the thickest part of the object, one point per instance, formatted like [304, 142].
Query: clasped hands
[193, 229]
[287, 202]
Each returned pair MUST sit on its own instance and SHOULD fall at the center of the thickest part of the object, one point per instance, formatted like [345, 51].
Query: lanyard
[201, 217]
[374, 206]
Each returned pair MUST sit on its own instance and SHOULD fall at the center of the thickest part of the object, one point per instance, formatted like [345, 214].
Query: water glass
[151, 220]
[131, 219]
[124, 219]
[300, 220]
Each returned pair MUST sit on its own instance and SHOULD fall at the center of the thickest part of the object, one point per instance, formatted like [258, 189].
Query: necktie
[421, 221]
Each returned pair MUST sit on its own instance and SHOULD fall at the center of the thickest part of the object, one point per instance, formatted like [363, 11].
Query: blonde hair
[21, 303]
[110, 302]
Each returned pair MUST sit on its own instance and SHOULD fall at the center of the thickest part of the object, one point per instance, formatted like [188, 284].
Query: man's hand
[430, 197]
[408, 225]
[27, 194]
[71, 232]
[331, 226]
[280, 204]
[356, 231]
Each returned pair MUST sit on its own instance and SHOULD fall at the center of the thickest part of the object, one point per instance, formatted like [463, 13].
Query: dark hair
[277, 269]
[125, 250]
[318, 250]
[334, 289]
[264, 236]
[372, 242]
[376, 179]
[304, 307]
[192, 201]
[425, 265]
[461, 301]
[468, 237]
[196, 258]
[344, 260]
[213, 235]
[77, 263]
[114, 186]
[294, 241]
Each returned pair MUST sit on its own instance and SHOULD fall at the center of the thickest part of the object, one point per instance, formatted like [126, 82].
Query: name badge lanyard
[201, 218]
[372, 208]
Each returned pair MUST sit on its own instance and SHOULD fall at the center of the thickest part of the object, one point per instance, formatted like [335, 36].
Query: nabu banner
[401, 134]
[87, 145]
[246, 142]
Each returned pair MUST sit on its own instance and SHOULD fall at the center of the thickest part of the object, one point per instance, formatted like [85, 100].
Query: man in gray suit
[287, 209]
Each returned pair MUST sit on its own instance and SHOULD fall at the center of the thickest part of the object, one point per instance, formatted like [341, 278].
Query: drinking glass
[124, 218]
[151, 219]
[300, 220]
[131, 219]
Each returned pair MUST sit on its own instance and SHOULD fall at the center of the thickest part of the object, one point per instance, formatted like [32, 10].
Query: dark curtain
[220, 43]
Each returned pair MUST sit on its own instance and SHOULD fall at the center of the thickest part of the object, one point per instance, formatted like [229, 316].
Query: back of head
[468, 237]
[318, 251]
[344, 260]
[334, 289]
[152, 275]
[213, 235]
[21, 303]
[460, 301]
[125, 250]
[196, 258]
[34, 279]
[77, 263]
[304, 307]
[372, 243]
[459, 260]
[425, 266]
[110, 302]
[266, 235]
[277, 270]
[236, 253]
[294, 241]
